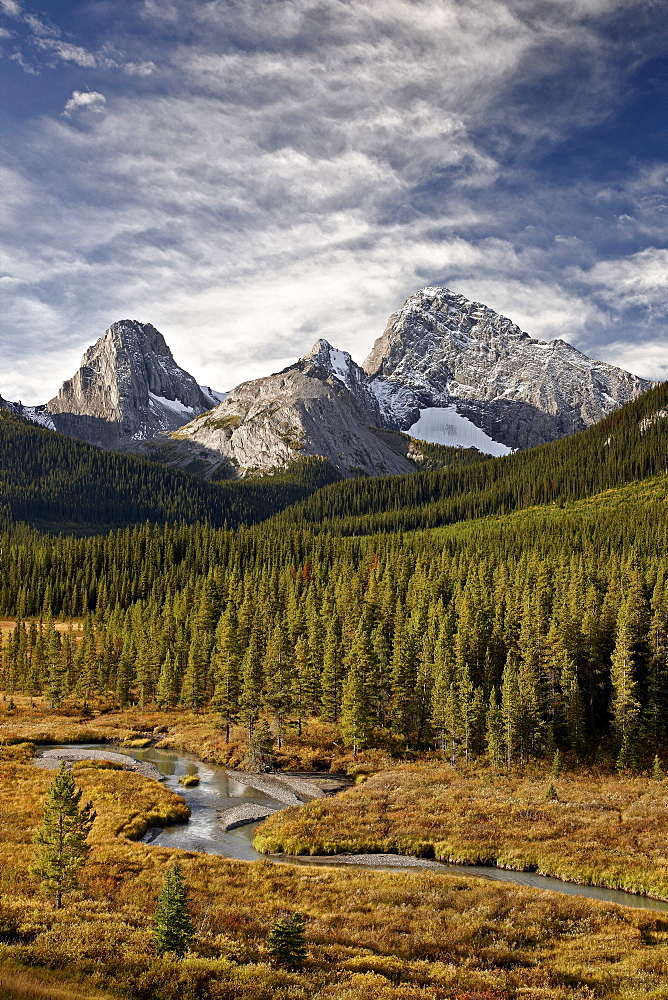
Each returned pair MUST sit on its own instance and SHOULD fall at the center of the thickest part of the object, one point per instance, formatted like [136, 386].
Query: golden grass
[607, 830]
[27, 984]
[371, 935]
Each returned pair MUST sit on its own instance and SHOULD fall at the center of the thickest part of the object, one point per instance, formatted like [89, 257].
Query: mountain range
[445, 370]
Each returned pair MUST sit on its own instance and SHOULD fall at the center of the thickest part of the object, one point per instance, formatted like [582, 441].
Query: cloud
[67, 52]
[11, 8]
[268, 173]
[85, 100]
[648, 359]
[638, 280]
[139, 68]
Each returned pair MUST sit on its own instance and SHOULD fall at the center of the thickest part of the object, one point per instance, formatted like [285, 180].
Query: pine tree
[356, 718]
[332, 672]
[226, 666]
[167, 689]
[277, 669]
[626, 660]
[172, 927]
[286, 942]
[494, 736]
[61, 848]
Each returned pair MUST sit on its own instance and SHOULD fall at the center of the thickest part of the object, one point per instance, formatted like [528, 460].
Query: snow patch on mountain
[212, 395]
[175, 405]
[443, 425]
[39, 415]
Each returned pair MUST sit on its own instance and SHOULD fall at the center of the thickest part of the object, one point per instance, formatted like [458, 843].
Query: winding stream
[217, 790]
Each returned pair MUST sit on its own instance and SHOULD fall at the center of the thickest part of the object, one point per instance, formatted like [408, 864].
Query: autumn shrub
[97, 765]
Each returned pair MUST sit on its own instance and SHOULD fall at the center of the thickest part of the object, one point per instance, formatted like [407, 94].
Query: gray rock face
[127, 390]
[305, 410]
[438, 351]
[38, 414]
[441, 349]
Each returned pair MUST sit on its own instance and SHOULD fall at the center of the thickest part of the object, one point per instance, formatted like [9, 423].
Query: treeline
[507, 637]
[59, 484]
[630, 444]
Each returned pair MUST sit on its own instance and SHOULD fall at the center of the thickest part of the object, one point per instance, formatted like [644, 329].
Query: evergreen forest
[502, 609]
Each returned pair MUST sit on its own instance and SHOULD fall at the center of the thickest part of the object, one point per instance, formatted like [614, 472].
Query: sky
[250, 175]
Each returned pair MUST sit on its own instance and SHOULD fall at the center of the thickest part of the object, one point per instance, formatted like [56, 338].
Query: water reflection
[217, 790]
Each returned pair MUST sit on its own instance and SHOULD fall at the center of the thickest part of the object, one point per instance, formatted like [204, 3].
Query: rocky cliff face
[445, 370]
[303, 411]
[127, 390]
[441, 350]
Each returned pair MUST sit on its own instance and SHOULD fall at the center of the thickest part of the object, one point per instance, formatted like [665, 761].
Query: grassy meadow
[603, 829]
[371, 935]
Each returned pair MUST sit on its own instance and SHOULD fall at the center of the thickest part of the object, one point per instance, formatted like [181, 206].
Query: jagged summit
[320, 406]
[442, 350]
[128, 388]
[446, 370]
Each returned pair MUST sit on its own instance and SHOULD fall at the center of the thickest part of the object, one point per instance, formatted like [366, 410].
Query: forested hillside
[58, 483]
[507, 635]
[630, 444]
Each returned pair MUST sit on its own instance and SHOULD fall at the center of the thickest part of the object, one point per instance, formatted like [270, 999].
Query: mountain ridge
[445, 369]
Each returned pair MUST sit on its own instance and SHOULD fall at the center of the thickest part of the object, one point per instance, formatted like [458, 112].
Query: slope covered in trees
[630, 444]
[506, 636]
[58, 483]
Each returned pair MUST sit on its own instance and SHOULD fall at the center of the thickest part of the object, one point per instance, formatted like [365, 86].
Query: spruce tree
[61, 848]
[172, 927]
[286, 942]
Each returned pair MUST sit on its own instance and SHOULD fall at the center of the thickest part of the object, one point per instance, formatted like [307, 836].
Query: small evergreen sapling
[61, 846]
[286, 942]
[172, 926]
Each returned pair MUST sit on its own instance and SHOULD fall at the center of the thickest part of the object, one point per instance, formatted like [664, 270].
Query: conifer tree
[572, 707]
[251, 690]
[624, 702]
[332, 672]
[193, 690]
[172, 927]
[56, 672]
[510, 708]
[286, 942]
[61, 848]
[494, 735]
[356, 717]
[277, 670]
[167, 689]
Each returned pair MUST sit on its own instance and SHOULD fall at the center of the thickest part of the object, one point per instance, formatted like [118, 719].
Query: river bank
[391, 935]
[233, 795]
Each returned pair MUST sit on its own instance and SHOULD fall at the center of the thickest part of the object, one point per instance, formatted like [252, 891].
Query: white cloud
[291, 170]
[11, 8]
[139, 68]
[648, 359]
[88, 100]
[638, 280]
[67, 52]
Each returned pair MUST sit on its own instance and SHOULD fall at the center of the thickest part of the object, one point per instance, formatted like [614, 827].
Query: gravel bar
[239, 815]
[50, 760]
[371, 860]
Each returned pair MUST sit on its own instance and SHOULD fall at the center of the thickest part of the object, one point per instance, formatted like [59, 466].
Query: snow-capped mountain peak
[441, 349]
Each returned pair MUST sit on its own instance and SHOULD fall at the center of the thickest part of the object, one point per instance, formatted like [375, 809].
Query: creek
[219, 790]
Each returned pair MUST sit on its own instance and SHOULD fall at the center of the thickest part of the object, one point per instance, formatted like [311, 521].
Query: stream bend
[218, 790]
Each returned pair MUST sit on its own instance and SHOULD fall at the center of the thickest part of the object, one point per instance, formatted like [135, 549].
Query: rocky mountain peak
[127, 389]
[441, 350]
